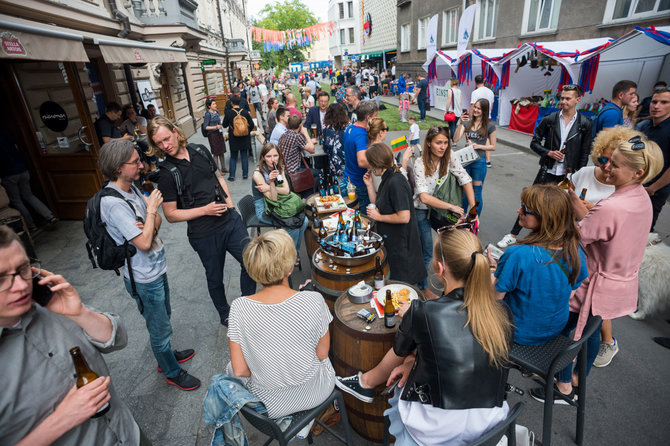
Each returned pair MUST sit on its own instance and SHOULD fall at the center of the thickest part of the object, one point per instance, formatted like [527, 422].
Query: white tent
[437, 80]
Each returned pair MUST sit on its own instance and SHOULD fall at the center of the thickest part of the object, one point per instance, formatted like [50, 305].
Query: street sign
[208, 62]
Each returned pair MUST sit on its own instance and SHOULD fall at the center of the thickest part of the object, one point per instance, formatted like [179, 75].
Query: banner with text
[465, 29]
[441, 97]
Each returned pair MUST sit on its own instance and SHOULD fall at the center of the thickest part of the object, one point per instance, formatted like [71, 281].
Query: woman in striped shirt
[279, 338]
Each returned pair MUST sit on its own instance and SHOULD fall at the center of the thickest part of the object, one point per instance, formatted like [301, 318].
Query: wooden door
[166, 96]
[64, 161]
[216, 87]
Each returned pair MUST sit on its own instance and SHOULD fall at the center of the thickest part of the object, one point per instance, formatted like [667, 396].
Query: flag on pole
[399, 143]
[465, 29]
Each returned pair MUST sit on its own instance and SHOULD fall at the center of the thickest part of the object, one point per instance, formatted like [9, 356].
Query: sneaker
[506, 241]
[181, 356]
[231, 179]
[352, 385]
[566, 400]
[184, 381]
[488, 164]
[605, 354]
[421, 120]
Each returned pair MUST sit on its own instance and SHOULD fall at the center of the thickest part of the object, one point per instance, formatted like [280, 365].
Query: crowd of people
[450, 353]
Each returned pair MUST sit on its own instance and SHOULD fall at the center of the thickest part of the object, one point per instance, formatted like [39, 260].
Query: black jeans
[658, 201]
[233, 238]
[542, 177]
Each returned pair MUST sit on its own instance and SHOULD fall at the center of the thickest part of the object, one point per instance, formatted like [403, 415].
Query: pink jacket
[614, 235]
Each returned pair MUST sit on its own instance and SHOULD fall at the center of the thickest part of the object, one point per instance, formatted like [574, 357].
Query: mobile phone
[465, 111]
[42, 294]
[389, 390]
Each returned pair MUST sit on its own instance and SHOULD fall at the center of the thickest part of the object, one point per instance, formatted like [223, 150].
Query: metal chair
[248, 212]
[506, 426]
[299, 420]
[546, 361]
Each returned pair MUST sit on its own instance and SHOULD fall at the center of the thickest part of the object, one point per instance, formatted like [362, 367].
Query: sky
[318, 7]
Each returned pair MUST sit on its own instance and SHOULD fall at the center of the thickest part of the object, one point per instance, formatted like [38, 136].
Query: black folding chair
[248, 212]
[546, 361]
[299, 420]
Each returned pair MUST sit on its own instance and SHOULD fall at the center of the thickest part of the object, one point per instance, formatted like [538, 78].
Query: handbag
[449, 191]
[300, 180]
[450, 116]
[288, 211]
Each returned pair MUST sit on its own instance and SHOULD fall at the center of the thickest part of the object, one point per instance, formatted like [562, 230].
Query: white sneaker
[506, 241]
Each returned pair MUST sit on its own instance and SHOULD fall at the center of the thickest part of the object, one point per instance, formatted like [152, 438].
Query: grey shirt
[37, 373]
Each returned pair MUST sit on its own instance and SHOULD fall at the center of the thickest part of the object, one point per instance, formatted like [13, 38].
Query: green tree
[291, 14]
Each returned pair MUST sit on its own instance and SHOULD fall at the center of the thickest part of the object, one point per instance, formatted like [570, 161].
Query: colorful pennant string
[274, 40]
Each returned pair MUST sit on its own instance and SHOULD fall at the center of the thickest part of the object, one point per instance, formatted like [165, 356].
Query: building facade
[505, 24]
[345, 43]
[378, 32]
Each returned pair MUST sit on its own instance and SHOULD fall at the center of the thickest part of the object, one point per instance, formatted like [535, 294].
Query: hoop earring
[439, 285]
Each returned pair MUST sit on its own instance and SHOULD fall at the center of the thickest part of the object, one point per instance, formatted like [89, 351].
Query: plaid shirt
[291, 145]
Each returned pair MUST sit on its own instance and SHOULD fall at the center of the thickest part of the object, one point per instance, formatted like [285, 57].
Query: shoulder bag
[450, 116]
[288, 211]
[300, 180]
[449, 191]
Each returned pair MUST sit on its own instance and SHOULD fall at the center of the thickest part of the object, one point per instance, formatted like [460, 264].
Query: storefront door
[53, 126]
[216, 87]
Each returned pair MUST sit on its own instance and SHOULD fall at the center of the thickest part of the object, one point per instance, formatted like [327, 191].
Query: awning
[128, 51]
[23, 41]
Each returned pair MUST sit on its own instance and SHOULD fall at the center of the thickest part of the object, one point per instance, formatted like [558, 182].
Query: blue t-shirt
[537, 291]
[355, 140]
[610, 115]
[423, 85]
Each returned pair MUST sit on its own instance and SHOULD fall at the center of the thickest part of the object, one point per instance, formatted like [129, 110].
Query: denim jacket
[225, 397]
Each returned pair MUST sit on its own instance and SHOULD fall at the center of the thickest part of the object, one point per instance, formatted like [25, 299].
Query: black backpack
[100, 245]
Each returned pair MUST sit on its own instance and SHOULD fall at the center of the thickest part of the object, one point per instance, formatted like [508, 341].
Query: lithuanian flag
[399, 143]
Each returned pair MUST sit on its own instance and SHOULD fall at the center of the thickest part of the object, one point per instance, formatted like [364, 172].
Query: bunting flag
[659, 36]
[432, 70]
[588, 73]
[399, 143]
[465, 70]
[490, 76]
[565, 78]
[274, 40]
[504, 82]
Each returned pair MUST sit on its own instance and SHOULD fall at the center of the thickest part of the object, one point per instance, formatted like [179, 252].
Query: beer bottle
[566, 183]
[85, 375]
[340, 221]
[379, 274]
[280, 179]
[473, 213]
[322, 232]
[389, 311]
[357, 219]
[322, 188]
[219, 197]
[582, 196]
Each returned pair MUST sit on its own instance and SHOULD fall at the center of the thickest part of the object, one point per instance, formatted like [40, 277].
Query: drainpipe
[131, 86]
[223, 38]
[120, 17]
[188, 93]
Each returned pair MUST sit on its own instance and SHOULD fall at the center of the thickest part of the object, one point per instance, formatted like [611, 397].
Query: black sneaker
[352, 385]
[538, 394]
[184, 381]
[181, 356]
[231, 179]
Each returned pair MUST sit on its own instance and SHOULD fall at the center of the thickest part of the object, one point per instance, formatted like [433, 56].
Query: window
[341, 5]
[485, 20]
[450, 27]
[625, 10]
[351, 35]
[350, 7]
[541, 15]
[405, 36]
[421, 34]
[342, 42]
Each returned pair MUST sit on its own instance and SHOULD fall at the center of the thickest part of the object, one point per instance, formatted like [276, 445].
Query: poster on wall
[441, 97]
[147, 95]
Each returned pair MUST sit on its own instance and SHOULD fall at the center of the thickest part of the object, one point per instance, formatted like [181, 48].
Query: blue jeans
[156, 300]
[233, 238]
[233, 163]
[592, 347]
[296, 233]
[363, 199]
[425, 232]
[422, 107]
[477, 170]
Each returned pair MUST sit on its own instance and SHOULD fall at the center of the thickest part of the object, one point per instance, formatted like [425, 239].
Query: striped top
[279, 342]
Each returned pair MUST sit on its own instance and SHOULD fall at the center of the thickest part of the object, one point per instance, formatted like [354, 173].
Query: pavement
[628, 401]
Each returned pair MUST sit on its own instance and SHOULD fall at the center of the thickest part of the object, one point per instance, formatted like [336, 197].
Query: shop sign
[53, 116]
[11, 45]
[257, 66]
[441, 94]
[208, 62]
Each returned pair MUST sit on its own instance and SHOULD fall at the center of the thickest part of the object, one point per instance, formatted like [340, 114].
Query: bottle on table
[389, 311]
[322, 188]
[323, 234]
[357, 219]
[379, 274]
[85, 375]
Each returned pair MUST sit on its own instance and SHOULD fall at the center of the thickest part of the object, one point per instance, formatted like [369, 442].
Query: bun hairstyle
[375, 127]
[649, 159]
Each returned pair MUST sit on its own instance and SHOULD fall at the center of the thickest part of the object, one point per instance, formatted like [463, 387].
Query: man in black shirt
[214, 226]
[105, 125]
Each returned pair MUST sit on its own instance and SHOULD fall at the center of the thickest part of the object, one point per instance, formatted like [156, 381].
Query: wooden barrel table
[355, 348]
[311, 234]
[333, 283]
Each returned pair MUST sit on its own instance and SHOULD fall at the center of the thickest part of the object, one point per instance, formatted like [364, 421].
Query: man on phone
[129, 217]
[40, 402]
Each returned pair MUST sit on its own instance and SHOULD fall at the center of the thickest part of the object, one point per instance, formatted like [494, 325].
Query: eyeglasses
[138, 161]
[25, 271]
[602, 160]
[526, 211]
[661, 89]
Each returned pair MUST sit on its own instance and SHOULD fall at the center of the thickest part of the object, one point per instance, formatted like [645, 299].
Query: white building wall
[384, 16]
[337, 49]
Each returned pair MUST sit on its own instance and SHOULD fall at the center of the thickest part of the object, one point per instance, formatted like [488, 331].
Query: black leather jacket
[578, 142]
[452, 369]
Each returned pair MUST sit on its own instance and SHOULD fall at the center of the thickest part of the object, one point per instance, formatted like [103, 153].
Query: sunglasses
[602, 160]
[661, 89]
[469, 226]
[572, 87]
[386, 129]
[526, 211]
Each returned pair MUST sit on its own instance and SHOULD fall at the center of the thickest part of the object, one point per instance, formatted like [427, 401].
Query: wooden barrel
[354, 349]
[333, 283]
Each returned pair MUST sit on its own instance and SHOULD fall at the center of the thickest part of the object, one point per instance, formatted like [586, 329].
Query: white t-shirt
[414, 132]
[457, 109]
[595, 190]
[483, 93]
[322, 115]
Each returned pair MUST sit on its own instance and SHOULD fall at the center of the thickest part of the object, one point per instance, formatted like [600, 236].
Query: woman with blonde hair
[537, 276]
[279, 338]
[614, 235]
[307, 100]
[377, 130]
[449, 354]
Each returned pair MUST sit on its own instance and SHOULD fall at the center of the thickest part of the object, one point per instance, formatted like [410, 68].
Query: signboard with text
[441, 97]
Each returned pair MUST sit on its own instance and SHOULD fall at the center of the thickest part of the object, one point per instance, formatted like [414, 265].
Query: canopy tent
[440, 66]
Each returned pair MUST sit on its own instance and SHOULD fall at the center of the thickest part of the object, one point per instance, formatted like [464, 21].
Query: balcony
[167, 12]
[236, 46]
